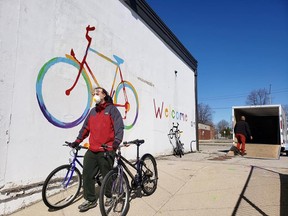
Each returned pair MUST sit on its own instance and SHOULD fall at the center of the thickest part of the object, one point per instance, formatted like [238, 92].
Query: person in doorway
[103, 125]
[242, 132]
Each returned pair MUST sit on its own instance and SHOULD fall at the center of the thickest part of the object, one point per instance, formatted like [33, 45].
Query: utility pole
[270, 94]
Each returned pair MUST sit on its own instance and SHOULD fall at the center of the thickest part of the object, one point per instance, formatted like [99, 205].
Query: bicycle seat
[137, 142]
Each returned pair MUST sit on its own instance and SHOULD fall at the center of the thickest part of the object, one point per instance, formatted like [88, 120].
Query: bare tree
[223, 124]
[285, 107]
[258, 97]
[223, 128]
[204, 114]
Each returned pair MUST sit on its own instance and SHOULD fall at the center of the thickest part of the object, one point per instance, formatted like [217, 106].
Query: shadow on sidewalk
[265, 193]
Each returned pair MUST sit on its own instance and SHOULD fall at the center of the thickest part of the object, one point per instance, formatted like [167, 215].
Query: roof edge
[153, 20]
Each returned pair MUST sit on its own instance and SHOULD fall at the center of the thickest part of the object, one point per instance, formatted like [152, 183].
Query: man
[242, 131]
[103, 125]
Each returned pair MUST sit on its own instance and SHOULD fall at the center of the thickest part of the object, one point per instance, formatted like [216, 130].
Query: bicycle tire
[171, 134]
[128, 85]
[118, 188]
[48, 66]
[149, 174]
[54, 195]
[178, 150]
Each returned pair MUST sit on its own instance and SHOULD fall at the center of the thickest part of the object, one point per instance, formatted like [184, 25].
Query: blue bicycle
[63, 184]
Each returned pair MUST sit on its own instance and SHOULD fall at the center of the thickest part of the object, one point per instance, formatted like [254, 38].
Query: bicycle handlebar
[105, 146]
[78, 147]
[174, 133]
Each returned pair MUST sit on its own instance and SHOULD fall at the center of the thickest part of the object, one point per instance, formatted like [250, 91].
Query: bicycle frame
[83, 63]
[136, 165]
[75, 158]
[73, 165]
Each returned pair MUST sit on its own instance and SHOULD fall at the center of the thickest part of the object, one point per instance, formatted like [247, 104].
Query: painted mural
[77, 78]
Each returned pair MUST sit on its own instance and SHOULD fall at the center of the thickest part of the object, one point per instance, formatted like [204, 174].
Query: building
[41, 107]
[206, 132]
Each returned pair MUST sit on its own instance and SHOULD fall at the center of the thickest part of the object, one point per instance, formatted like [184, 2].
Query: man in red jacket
[103, 125]
[242, 131]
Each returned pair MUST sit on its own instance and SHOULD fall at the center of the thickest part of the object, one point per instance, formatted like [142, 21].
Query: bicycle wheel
[61, 187]
[132, 107]
[114, 194]
[149, 174]
[54, 78]
[179, 148]
[171, 132]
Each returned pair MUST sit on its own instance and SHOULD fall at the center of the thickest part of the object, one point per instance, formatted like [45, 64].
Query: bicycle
[116, 191]
[126, 102]
[63, 184]
[178, 150]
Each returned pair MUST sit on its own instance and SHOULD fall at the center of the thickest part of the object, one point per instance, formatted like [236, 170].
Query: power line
[226, 97]
[221, 107]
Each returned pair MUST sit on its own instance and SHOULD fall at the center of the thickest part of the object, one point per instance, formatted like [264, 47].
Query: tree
[258, 97]
[204, 114]
[222, 125]
[224, 129]
[285, 107]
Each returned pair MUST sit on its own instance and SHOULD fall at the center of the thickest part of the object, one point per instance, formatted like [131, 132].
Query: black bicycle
[63, 184]
[178, 148]
[115, 191]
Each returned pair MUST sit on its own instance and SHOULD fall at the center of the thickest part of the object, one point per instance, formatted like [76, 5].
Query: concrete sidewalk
[205, 183]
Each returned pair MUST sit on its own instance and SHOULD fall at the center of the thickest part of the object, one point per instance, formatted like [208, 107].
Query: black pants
[92, 160]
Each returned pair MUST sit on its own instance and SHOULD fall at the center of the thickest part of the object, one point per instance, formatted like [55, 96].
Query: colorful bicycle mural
[59, 69]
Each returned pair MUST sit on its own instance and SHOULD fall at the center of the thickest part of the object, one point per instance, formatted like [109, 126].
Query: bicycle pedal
[138, 191]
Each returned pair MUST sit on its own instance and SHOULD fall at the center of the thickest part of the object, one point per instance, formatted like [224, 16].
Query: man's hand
[74, 144]
[115, 145]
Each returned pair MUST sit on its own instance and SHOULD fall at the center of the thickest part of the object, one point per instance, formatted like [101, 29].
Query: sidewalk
[205, 183]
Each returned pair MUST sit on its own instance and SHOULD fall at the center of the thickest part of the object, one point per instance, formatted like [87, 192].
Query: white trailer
[268, 124]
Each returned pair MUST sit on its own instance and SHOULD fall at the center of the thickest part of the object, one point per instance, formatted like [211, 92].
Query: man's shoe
[243, 153]
[83, 204]
[86, 205]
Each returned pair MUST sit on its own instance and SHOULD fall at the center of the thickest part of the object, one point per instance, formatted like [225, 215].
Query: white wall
[33, 32]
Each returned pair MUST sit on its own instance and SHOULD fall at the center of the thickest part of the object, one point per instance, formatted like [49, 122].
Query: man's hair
[107, 97]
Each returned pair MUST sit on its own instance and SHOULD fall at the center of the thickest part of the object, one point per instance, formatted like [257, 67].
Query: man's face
[100, 93]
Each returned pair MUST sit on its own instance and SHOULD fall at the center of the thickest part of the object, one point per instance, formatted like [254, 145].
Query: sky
[240, 46]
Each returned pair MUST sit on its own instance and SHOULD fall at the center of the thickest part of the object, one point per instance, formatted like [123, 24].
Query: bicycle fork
[118, 184]
[70, 172]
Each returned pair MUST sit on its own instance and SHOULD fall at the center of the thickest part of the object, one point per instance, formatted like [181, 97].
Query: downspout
[196, 108]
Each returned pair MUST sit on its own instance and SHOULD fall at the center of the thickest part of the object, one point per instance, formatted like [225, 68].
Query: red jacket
[105, 125]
